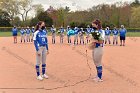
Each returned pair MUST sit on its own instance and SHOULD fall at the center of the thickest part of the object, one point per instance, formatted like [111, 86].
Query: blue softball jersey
[28, 31]
[40, 39]
[123, 32]
[115, 32]
[14, 31]
[61, 30]
[22, 32]
[107, 32]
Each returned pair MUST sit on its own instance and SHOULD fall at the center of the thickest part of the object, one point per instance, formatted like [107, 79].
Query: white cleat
[100, 80]
[45, 76]
[97, 79]
[39, 78]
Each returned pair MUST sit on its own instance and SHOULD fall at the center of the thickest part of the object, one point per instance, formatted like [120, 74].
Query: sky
[75, 4]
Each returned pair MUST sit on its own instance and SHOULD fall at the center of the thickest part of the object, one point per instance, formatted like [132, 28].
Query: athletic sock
[37, 70]
[43, 68]
[99, 72]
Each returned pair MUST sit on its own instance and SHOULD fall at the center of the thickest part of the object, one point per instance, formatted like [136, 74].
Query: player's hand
[38, 53]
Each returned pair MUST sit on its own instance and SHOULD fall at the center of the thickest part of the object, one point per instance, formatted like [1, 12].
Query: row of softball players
[25, 33]
[80, 33]
[116, 32]
[76, 33]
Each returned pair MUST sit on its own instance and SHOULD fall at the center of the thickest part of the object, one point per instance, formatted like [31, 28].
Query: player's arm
[46, 43]
[35, 41]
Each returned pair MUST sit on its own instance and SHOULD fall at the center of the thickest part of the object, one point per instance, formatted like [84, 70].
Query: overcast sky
[75, 4]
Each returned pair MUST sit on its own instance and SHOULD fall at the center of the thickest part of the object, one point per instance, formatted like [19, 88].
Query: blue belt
[42, 45]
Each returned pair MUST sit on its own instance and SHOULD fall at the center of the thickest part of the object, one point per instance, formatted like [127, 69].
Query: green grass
[129, 34]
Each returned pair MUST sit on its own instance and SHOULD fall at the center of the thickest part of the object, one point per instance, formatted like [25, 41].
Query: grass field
[129, 34]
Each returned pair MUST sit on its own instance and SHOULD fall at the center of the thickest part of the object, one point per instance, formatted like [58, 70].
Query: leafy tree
[4, 19]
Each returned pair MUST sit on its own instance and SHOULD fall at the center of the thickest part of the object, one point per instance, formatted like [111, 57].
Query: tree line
[25, 13]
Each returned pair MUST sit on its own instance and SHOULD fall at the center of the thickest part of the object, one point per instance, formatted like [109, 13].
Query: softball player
[88, 31]
[68, 36]
[76, 29]
[22, 33]
[41, 45]
[123, 32]
[53, 30]
[115, 36]
[33, 30]
[28, 31]
[15, 32]
[107, 35]
[81, 35]
[97, 53]
[61, 34]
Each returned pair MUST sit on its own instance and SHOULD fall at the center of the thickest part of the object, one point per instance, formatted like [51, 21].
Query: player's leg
[54, 38]
[114, 39]
[77, 39]
[70, 39]
[21, 38]
[123, 41]
[97, 58]
[62, 38]
[24, 38]
[109, 39]
[38, 62]
[105, 39]
[74, 39]
[83, 40]
[120, 40]
[44, 55]
[15, 39]
[29, 37]
[80, 40]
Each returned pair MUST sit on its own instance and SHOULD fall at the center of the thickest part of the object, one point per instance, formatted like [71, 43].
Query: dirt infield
[68, 68]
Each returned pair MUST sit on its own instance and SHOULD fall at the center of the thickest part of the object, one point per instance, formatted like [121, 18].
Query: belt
[42, 45]
[98, 45]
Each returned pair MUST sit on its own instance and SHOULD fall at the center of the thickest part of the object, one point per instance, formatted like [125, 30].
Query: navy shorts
[122, 37]
[14, 34]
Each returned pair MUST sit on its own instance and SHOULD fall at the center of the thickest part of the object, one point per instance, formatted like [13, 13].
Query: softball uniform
[15, 33]
[61, 34]
[88, 31]
[41, 46]
[33, 30]
[68, 35]
[81, 35]
[22, 33]
[28, 31]
[76, 29]
[115, 36]
[107, 35]
[122, 32]
[97, 54]
[53, 31]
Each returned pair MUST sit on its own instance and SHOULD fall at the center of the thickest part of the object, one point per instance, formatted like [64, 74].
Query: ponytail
[98, 23]
[38, 25]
